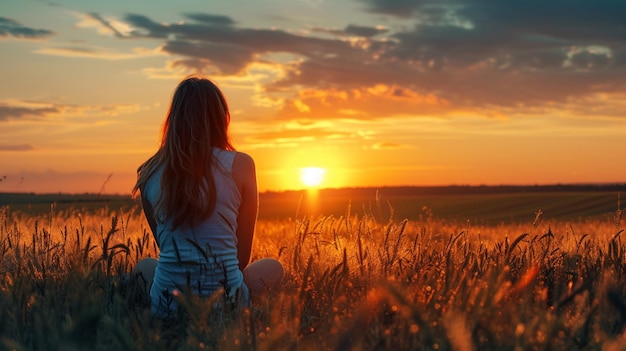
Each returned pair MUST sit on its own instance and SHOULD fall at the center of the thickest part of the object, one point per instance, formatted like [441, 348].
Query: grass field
[523, 271]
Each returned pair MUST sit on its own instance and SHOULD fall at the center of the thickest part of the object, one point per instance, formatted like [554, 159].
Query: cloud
[399, 8]
[597, 20]
[37, 110]
[213, 42]
[229, 59]
[459, 56]
[94, 52]
[211, 19]
[8, 111]
[472, 58]
[145, 27]
[298, 135]
[364, 31]
[385, 145]
[16, 147]
[292, 133]
[354, 30]
[373, 102]
[12, 28]
[314, 132]
[105, 26]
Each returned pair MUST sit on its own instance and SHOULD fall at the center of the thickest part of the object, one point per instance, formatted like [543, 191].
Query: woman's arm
[244, 173]
[149, 213]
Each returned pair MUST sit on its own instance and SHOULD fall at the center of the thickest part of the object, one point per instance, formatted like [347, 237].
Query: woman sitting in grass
[200, 198]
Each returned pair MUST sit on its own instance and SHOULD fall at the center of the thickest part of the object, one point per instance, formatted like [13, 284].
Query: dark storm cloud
[147, 27]
[399, 8]
[229, 58]
[509, 25]
[511, 53]
[351, 29]
[211, 19]
[477, 29]
[476, 54]
[213, 40]
[11, 27]
[105, 23]
[563, 17]
[257, 40]
[595, 21]
[40, 110]
[525, 52]
[364, 31]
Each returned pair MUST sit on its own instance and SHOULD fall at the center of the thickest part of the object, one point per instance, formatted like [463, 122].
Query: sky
[375, 92]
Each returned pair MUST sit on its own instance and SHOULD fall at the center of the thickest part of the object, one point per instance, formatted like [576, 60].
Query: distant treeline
[410, 191]
[489, 204]
[59, 198]
[386, 191]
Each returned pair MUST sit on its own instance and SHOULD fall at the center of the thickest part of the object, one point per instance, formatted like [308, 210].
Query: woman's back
[200, 199]
[202, 258]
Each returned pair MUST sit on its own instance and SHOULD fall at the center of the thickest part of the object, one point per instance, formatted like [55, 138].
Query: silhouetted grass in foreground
[353, 282]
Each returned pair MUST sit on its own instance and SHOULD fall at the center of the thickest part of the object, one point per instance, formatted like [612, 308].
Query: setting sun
[312, 176]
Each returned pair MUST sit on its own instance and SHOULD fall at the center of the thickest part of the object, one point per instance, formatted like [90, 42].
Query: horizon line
[502, 185]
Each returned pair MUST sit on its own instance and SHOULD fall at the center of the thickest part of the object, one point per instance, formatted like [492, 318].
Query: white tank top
[202, 258]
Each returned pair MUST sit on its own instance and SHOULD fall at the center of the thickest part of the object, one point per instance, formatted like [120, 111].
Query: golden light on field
[312, 176]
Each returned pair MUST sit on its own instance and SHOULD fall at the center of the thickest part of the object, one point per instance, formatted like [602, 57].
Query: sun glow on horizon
[312, 176]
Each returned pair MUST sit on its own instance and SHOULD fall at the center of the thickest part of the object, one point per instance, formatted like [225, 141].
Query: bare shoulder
[244, 171]
[243, 162]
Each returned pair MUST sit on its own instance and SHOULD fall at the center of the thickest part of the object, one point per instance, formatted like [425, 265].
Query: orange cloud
[373, 102]
[13, 109]
[16, 147]
[94, 52]
[385, 145]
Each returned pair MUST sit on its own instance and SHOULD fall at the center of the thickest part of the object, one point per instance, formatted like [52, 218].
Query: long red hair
[197, 121]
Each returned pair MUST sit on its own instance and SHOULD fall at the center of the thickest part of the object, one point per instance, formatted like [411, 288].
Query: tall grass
[354, 282]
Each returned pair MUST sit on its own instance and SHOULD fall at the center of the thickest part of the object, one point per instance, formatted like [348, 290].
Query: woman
[200, 199]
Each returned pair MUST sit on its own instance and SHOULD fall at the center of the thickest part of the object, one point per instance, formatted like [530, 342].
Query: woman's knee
[263, 275]
[145, 269]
